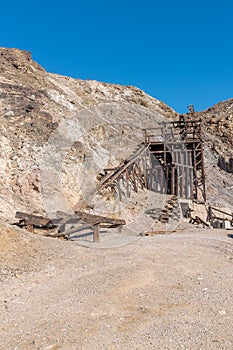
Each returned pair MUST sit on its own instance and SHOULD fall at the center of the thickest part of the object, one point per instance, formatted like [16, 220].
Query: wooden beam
[30, 228]
[91, 218]
[96, 233]
[121, 169]
[30, 219]
[69, 231]
[221, 211]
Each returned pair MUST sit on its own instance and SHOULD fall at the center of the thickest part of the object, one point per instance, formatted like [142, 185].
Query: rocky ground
[170, 291]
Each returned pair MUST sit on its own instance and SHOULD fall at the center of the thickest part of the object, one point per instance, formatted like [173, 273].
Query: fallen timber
[80, 219]
[197, 220]
[31, 221]
[211, 216]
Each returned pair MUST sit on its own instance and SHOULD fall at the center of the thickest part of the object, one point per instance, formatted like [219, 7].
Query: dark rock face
[226, 164]
[17, 59]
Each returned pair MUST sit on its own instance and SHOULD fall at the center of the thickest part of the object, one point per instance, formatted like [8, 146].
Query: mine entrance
[176, 159]
[171, 170]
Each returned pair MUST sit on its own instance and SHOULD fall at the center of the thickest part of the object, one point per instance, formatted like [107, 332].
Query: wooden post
[145, 172]
[184, 183]
[30, 228]
[140, 175]
[134, 178]
[203, 174]
[209, 214]
[195, 190]
[156, 179]
[127, 183]
[177, 180]
[96, 233]
[119, 190]
[191, 183]
[160, 179]
[150, 179]
[185, 158]
[187, 191]
[173, 179]
[166, 178]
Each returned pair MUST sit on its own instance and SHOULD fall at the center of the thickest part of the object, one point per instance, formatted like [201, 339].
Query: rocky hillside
[217, 126]
[218, 132]
[58, 132]
[53, 123]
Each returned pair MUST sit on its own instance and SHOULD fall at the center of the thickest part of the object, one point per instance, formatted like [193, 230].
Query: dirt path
[170, 291]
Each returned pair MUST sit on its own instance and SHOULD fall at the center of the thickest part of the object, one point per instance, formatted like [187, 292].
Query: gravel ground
[171, 291]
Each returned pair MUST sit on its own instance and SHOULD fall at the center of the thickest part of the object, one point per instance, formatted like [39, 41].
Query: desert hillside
[51, 120]
[217, 126]
[37, 108]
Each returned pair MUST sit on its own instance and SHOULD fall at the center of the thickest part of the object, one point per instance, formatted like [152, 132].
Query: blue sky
[177, 51]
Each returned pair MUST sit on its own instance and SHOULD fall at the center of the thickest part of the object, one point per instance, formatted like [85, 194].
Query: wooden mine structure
[176, 153]
[170, 161]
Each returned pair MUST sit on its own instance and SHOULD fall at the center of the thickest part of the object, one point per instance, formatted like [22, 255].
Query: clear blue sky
[180, 52]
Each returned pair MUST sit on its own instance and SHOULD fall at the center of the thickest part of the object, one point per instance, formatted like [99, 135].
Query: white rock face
[57, 133]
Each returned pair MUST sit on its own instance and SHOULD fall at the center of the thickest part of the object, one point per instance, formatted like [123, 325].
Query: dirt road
[170, 291]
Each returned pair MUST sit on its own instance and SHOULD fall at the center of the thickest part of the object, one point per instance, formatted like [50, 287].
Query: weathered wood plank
[91, 218]
[96, 233]
[30, 228]
[121, 169]
[69, 231]
[30, 219]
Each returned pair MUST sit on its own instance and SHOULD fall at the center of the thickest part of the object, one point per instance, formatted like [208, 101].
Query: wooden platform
[80, 219]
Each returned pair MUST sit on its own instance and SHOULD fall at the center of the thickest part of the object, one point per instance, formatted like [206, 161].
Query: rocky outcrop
[55, 129]
[226, 164]
[217, 128]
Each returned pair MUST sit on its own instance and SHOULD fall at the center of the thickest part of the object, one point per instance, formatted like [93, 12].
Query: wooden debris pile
[219, 218]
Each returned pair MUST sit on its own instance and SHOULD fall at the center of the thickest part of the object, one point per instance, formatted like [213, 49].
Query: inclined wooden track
[132, 172]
